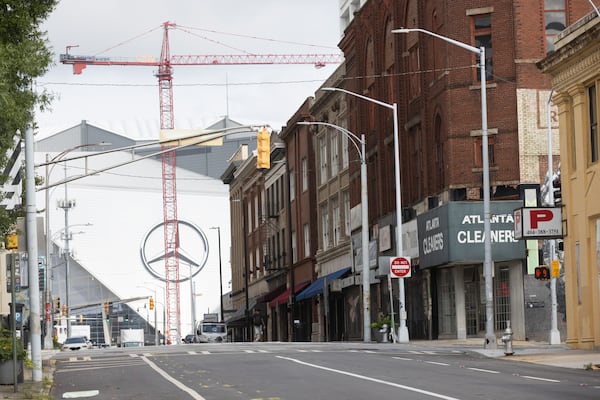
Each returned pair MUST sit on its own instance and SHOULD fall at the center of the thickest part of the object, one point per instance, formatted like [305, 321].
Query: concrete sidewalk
[559, 355]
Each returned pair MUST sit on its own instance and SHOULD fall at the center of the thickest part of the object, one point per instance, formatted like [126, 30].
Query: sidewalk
[29, 389]
[559, 355]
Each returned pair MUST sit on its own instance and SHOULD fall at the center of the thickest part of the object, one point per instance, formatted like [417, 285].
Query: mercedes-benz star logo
[193, 253]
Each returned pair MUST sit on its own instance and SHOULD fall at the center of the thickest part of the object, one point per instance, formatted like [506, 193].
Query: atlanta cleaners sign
[455, 232]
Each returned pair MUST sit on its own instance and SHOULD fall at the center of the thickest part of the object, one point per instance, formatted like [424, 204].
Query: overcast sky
[125, 97]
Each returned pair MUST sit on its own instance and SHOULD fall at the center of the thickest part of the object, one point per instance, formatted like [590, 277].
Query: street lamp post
[155, 311]
[364, 205]
[220, 271]
[403, 336]
[155, 315]
[490, 337]
[50, 164]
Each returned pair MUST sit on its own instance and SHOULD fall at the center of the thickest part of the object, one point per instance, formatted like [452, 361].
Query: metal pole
[403, 336]
[156, 336]
[366, 276]
[554, 332]
[193, 299]
[32, 251]
[366, 271]
[48, 342]
[220, 271]
[490, 336]
[66, 206]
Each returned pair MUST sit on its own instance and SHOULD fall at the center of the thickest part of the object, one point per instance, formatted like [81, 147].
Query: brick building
[437, 88]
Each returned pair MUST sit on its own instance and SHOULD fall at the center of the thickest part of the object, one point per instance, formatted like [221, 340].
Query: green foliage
[24, 56]
[382, 320]
[6, 347]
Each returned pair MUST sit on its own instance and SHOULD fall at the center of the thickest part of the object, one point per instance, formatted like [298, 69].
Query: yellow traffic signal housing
[106, 306]
[151, 303]
[64, 309]
[12, 241]
[263, 149]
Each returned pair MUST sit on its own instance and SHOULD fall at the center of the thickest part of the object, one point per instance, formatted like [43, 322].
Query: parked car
[76, 343]
[190, 339]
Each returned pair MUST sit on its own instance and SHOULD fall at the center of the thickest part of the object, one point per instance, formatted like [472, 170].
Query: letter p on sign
[540, 215]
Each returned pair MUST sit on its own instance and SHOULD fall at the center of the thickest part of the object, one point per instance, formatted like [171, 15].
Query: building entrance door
[473, 306]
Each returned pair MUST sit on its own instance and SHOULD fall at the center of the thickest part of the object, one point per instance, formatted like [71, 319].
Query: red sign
[400, 267]
[538, 223]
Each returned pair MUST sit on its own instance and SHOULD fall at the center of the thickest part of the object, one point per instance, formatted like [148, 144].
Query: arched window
[555, 20]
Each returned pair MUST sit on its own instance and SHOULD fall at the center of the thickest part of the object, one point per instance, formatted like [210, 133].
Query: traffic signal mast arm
[80, 62]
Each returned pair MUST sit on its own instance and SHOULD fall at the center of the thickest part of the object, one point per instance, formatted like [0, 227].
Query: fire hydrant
[384, 332]
[507, 339]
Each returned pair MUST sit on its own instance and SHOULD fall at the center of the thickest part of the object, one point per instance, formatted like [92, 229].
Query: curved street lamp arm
[353, 137]
[444, 38]
[336, 89]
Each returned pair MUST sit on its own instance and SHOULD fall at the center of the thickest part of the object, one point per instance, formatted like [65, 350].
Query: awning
[265, 298]
[316, 287]
[283, 297]
[239, 317]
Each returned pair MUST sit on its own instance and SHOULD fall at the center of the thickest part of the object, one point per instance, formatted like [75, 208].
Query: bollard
[507, 339]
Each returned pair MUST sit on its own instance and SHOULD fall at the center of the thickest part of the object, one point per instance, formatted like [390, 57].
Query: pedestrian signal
[542, 272]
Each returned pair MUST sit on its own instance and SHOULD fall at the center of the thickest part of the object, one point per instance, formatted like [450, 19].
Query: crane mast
[169, 189]
[169, 180]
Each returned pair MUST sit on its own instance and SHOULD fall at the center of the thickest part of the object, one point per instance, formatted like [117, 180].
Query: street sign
[400, 267]
[538, 223]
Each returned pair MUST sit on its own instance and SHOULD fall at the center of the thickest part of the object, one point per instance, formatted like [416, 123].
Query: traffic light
[557, 189]
[151, 303]
[263, 149]
[64, 309]
[542, 272]
[81, 318]
[126, 317]
[106, 306]
[57, 304]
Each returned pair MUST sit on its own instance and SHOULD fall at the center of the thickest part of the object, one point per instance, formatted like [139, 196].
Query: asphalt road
[299, 371]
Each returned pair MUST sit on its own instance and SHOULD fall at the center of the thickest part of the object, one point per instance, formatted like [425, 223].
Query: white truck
[132, 337]
[60, 331]
[210, 330]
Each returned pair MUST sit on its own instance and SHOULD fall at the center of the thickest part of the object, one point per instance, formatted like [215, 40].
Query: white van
[211, 332]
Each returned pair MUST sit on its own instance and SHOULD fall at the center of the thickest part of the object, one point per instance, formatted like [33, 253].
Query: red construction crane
[165, 88]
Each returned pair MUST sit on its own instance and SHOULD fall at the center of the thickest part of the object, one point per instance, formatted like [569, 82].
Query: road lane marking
[195, 395]
[368, 378]
[403, 358]
[489, 371]
[249, 351]
[205, 352]
[80, 395]
[540, 379]
[192, 352]
[437, 363]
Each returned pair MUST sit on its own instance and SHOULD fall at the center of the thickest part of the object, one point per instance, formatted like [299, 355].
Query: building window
[477, 151]
[304, 175]
[294, 247]
[292, 185]
[502, 298]
[593, 101]
[346, 197]
[414, 83]
[344, 152]
[335, 216]
[256, 212]
[335, 159]
[249, 217]
[555, 21]
[323, 158]
[324, 227]
[258, 263]
[306, 241]
[251, 266]
[482, 32]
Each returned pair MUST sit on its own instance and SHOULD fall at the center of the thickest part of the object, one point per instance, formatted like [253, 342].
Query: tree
[25, 55]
